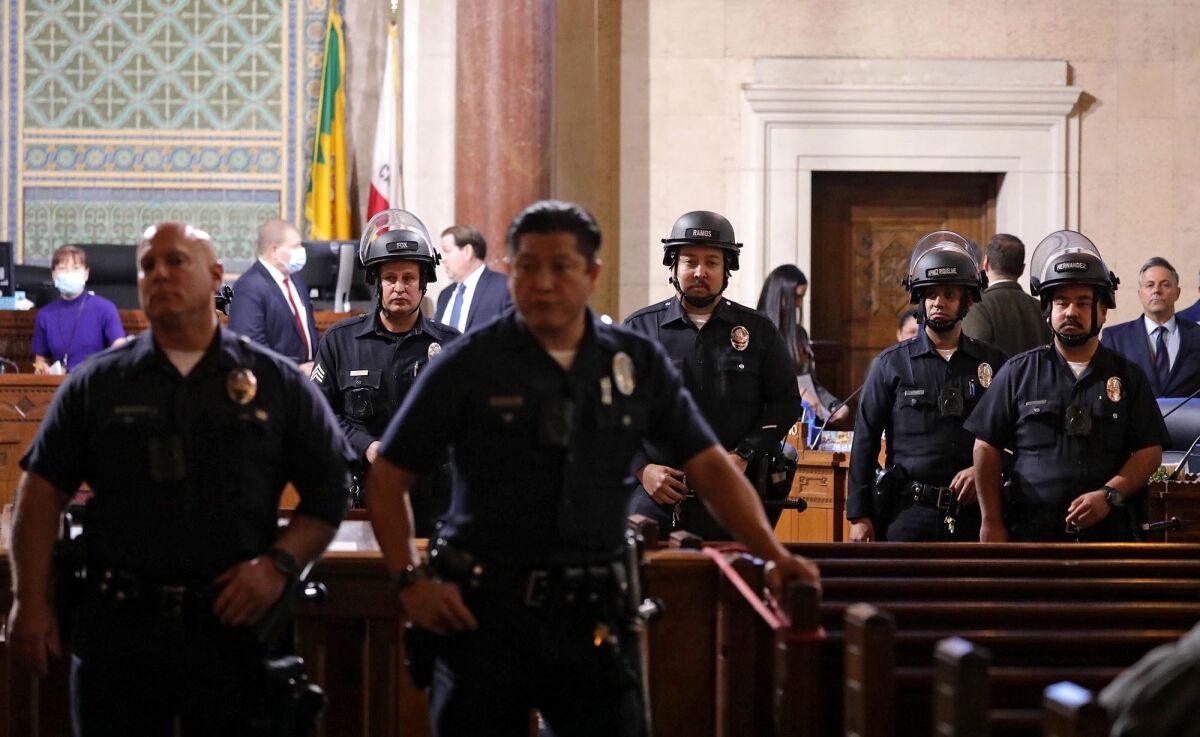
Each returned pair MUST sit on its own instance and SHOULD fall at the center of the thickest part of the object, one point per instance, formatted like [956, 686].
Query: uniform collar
[922, 345]
[1103, 360]
[373, 325]
[675, 312]
[223, 350]
[593, 338]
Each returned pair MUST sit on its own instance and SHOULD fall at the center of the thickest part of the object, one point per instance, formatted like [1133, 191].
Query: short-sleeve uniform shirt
[186, 472]
[541, 455]
[1037, 408]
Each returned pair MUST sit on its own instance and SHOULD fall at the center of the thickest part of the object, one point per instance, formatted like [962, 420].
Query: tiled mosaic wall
[121, 113]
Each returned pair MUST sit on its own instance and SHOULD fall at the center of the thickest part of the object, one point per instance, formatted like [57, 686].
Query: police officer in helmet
[919, 392]
[366, 364]
[733, 360]
[1080, 419]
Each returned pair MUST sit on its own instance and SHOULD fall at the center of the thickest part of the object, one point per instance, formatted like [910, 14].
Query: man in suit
[1166, 348]
[479, 294]
[1192, 313]
[271, 305]
[1008, 318]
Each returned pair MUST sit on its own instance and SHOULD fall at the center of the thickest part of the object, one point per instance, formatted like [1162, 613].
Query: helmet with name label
[397, 235]
[702, 228]
[944, 258]
[1068, 257]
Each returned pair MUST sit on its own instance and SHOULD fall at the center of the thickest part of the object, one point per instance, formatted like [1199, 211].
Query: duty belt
[170, 600]
[533, 587]
[928, 495]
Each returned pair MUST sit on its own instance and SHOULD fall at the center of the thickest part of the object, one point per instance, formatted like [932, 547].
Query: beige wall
[1138, 63]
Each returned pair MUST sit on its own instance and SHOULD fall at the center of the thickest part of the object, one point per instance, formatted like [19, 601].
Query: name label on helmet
[941, 271]
[1071, 266]
[401, 246]
[702, 233]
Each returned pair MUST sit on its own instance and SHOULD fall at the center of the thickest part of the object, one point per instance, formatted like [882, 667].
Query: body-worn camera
[950, 402]
[1079, 421]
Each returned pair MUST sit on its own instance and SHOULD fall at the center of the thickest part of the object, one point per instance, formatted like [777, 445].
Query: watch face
[283, 561]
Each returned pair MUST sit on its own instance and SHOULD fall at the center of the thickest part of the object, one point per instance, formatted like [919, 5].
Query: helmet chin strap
[1074, 340]
[940, 326]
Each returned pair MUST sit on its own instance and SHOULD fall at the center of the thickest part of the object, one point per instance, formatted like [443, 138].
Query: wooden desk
[1167, 499]
[821, 480]
[24, 399]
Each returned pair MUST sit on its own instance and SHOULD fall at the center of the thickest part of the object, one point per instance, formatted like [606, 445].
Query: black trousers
[134, 672]
[486, 681]
[919, 523]
[1028, 523]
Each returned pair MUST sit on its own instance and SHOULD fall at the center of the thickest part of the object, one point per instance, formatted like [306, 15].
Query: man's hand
[438, 607]
[33, 635]
[739, 462]
[372, 451]
[663, 483]
[791, 568]
[963, 484]
[993, 532]
[248, 590]
[1088, 510]
[862, 531]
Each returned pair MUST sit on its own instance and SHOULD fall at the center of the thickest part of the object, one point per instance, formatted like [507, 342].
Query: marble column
[505, 89]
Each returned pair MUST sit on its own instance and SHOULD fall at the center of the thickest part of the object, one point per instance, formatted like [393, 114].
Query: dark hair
[1006, 255]
[468, 235]
[904, 316]
[556, 216]
[1157, 261]
[68, 253]
[777, 301]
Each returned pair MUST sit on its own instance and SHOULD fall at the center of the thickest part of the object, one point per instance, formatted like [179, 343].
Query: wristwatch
[1113, 497]
[283, 561]
[745, 452]
[409, 575]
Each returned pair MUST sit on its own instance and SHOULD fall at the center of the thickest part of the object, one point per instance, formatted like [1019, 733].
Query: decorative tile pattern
[55, 216]
[153, 64]
[159, 158]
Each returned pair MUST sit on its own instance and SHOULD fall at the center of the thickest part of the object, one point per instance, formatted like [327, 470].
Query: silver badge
[241, 385]
[740, 338]
[434, 349]
[622, 369]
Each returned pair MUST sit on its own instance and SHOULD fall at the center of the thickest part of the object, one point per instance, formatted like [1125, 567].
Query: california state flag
[386, 187]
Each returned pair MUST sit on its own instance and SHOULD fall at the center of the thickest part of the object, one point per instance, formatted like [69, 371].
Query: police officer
[734, 362]
[1081, 419]
[918, 393]
[543, 410]
[186, 436]
[366, 364]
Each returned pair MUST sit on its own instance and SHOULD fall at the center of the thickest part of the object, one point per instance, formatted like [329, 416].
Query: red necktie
[299, 321]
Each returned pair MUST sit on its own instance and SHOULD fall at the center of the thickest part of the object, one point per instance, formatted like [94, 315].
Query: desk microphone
[833, 408]
[1184, 460]
[6, 363]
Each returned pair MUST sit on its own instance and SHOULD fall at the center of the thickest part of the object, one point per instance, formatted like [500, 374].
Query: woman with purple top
[70, 329]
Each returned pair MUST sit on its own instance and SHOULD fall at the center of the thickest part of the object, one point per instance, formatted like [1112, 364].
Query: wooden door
[865, 225]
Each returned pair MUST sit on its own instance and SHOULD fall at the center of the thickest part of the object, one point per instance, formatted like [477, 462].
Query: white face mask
[69, 283]
[297, 260]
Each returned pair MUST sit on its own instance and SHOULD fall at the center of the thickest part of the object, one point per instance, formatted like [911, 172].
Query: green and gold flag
[327, 203]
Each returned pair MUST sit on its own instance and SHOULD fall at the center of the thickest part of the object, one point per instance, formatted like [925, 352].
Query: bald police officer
[918, 393]
[1081, 419]
[542, 410]
[186, 435]
[366, 364]
[734, 362]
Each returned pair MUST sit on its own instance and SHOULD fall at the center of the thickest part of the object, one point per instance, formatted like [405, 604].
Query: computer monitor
[8, 280]
[335, 279]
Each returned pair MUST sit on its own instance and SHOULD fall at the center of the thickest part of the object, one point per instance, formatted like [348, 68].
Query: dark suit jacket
[261, 313]
[1192, 313]
[491, 299]
[1008, 318]
[1130, 340]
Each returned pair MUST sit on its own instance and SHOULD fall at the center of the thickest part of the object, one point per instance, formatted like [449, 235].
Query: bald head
[276, 238]
[178, 273]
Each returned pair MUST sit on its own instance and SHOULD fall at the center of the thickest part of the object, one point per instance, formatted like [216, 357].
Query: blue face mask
[297, 260]
[70, 283]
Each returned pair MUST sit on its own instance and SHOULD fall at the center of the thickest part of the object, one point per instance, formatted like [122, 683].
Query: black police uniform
[541, 461]
[365, 371]
[920, 401]
[186, 475]
[746, 390]
[1070, 436]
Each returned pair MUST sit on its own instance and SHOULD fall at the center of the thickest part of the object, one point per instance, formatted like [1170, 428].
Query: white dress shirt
[284, 289]
[469, 285]
[1172, 338]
